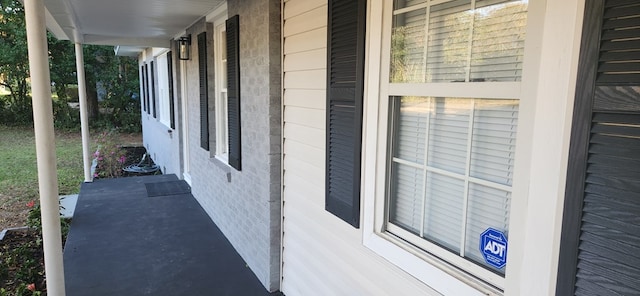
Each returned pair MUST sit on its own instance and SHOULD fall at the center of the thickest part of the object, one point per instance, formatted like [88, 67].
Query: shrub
[15, 114]
[65, 117]
[110, 155]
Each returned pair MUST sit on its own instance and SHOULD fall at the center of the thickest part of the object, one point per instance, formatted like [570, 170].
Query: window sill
[223, 165]
[430, 270]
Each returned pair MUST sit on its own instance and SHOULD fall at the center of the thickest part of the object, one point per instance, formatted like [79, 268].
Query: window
[454, 76]
[222, 130]
[164, 95]
[226, 67]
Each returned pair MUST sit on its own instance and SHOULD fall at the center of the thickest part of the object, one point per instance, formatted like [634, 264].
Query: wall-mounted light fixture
[184, 47]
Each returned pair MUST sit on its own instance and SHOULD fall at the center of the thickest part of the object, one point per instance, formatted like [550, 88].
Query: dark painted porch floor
[123, 242]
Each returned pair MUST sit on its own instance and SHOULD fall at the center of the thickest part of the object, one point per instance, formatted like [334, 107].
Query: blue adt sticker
[493, 246]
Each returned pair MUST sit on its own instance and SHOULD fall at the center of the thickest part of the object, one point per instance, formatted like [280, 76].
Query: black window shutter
[145, 73]
[146, 88]
[154, 98]
[601, 231]
[172, 116]
[204, 91]
[143, 91]
[345, 86]
[233, 91]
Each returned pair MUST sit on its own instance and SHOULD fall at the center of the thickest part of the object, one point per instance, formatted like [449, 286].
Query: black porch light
[184, 48]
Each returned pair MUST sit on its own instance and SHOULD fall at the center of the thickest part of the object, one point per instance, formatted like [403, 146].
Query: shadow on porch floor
[123, 242]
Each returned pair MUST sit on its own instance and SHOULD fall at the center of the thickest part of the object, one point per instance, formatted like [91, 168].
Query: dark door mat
[167, 188]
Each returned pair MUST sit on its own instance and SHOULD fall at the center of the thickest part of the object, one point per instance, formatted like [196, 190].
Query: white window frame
[443, 274]
[221, 115]
[162, 71]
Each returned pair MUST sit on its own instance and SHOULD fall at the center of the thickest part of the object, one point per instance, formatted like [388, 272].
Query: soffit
[145, 23]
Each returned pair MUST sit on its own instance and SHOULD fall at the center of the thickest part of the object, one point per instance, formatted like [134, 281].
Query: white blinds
[457, 42]
[448, 153]
[494, 140]
[498, 40]
[448, 42]
[163, 90]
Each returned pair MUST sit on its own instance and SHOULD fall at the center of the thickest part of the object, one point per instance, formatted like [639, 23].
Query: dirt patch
[13, 213]
[131, 139]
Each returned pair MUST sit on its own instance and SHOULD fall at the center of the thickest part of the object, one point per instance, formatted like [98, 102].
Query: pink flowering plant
[110, 155]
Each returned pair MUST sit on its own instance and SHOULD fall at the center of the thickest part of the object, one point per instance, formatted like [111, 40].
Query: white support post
[84, 117]
[45, 145]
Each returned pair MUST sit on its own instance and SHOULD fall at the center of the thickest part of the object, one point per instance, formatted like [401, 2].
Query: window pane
[411, 129]
[448, 134]
[443, 210]
[456, 42]
[466, 139]
[407, 47]
[498, 40]
[406, 197]
[223, 59]
[494, 140]
[447, 51]
[487, 207]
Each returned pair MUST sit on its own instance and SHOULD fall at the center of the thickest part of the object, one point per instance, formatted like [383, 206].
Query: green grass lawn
[18, 170]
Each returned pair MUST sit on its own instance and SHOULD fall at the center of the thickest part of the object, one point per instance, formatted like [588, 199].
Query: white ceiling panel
[124, 22]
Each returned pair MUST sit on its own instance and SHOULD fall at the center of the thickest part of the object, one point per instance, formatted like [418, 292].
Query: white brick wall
[246, 208]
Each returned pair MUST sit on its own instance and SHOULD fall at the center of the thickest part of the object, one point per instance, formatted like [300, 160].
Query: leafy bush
[65, 117]
[15, 114]
[110, 155]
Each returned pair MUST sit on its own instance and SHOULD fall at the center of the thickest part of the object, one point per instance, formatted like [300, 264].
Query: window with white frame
[221, 105]
[454, 79]
[163, 90]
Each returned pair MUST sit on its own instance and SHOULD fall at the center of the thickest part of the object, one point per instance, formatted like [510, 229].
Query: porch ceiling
[139, 23]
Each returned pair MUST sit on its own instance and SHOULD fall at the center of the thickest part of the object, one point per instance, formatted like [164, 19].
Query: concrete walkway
[123, 242]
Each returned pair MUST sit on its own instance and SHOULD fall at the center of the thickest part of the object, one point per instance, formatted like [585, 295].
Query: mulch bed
[134, 156]
[22, 262]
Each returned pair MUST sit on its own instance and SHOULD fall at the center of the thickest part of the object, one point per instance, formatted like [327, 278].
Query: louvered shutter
[204, 91]
[345, 70]
[154, 97]
[146, 88]
[143, 91]
[601, 225]
[172, 116]
[233, 91]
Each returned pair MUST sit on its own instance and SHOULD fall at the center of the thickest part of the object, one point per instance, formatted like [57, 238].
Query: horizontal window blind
[456, 41]
[448, 42]
[452, 168]
[498, 40]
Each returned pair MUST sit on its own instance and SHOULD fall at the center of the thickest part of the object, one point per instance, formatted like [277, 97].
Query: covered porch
[129, 27]
[148, 236]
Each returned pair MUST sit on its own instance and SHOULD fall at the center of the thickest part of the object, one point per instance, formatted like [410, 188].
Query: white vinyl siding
[322, 255]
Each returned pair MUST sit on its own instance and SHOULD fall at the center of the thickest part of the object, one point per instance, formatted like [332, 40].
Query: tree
[62, 65]
[14, 62]
[118, 75]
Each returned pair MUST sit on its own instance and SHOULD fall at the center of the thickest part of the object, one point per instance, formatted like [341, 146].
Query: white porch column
[45, 144]
[84, 117]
